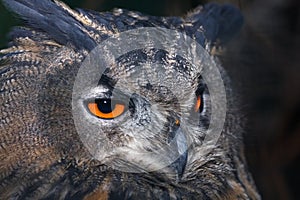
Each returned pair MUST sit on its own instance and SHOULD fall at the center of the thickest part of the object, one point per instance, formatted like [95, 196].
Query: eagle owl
[74, 126]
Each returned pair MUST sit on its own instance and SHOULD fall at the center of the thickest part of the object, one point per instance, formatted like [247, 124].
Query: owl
[118, 105]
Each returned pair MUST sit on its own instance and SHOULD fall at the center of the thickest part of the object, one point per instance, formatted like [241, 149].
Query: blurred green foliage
[6, 21]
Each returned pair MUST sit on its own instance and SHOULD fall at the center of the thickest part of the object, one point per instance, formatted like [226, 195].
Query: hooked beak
[180, 150]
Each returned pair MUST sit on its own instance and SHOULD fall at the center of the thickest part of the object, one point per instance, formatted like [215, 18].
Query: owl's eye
[198, 104]
[106, 108]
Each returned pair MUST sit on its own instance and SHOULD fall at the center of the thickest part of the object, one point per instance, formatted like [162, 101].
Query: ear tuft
[219, 22]
[52, 19]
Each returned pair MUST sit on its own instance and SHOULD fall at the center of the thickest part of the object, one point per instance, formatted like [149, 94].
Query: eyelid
[98, 92]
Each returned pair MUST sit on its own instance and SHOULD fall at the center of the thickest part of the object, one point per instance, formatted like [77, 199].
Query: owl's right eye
[106, 108]
[198, 104]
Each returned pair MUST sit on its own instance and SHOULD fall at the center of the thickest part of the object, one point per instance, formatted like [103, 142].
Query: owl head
[116, 94]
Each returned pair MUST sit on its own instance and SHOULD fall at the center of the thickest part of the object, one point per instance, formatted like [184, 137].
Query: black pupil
[105, 105]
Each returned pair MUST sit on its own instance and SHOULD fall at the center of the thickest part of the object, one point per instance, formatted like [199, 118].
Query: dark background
[264, 63]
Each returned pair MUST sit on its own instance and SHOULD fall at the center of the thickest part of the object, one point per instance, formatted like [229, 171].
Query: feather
[53, 20]
[218, 22]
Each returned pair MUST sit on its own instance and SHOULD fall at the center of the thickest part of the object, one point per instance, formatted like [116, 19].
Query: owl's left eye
[106, 108]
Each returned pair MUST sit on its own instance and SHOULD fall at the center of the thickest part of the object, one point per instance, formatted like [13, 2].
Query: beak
[181, 151]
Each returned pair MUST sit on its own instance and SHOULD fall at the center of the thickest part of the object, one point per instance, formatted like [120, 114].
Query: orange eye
[106, 109]
[198, 104]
